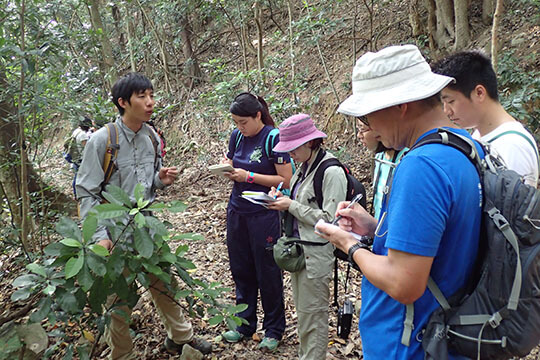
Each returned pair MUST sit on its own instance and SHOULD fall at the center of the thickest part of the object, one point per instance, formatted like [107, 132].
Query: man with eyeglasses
[430, 218]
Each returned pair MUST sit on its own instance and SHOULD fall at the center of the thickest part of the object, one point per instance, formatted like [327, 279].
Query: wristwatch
[250, 178]
[352, 250]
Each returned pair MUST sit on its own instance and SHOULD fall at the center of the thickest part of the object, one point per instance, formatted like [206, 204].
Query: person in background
[430, 221]
[385, 162]
[137, 163]
[80, 135]
[472, 102]
[252, 230]
[311, 285]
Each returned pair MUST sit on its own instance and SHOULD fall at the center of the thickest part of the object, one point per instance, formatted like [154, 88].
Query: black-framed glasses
[363, 119]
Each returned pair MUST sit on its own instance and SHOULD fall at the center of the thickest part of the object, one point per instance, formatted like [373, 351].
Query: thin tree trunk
[487, 11]
[130, 40]
[191, 63]
[371, 15]
[494, 32]
[462, 37]
[291, 48]
[431, 23]
[414, 18]
[106, 47]
[260, 56]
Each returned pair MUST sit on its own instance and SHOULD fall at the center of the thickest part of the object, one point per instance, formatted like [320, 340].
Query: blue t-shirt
[434, 209]
[250, 155]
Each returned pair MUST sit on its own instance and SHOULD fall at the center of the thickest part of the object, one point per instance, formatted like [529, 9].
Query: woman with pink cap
[301, 139]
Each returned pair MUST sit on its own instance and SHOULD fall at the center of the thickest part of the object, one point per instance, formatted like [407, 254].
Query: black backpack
[353, 185]
[496, 315]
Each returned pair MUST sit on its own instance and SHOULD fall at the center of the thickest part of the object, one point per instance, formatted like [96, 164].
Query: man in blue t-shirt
[430, 219]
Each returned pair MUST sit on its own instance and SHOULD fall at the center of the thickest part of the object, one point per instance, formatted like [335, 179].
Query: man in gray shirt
[136, 162]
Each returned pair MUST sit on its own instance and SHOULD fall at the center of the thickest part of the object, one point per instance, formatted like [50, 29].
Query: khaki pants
[177, 327]
[311, 298]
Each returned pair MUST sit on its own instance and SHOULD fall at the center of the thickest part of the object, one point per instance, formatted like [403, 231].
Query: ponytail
[247, 104]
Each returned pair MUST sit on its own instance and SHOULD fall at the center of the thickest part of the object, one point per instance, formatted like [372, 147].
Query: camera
[344, 319]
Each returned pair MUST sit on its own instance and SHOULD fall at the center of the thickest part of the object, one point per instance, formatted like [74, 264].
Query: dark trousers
[250, 240]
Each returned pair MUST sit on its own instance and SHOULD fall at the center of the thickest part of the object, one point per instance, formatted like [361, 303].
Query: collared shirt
[136, 162]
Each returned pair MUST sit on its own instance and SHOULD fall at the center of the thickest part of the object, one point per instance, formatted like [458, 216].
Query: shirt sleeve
[334, 190]
[419, 206]
[279, 157]
[90, 176]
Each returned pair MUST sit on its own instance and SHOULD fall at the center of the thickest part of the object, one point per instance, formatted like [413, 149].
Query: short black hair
[124, 87]
[469, 68]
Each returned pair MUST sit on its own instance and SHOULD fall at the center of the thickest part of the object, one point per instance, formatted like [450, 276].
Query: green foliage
[519, 90]
[77, 273]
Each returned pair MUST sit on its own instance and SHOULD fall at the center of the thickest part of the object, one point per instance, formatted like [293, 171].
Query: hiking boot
[197, 343]
[233, 336]
[268, 344]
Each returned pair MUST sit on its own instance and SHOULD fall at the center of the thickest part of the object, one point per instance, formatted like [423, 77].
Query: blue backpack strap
[269, 144]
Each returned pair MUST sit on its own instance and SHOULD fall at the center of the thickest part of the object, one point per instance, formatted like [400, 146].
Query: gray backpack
[497, 314]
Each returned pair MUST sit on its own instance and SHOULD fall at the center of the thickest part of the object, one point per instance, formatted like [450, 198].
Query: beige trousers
[178, 328]
[311, 298]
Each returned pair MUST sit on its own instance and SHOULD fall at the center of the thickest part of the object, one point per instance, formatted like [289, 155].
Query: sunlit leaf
[115, 195]
[109, 211]
[72, 243]
[37, 269]
[189, 236]
[73, 266]
[138, 192]
[21, 294]
[68, 228]
[99, 250]
[25, 280]
[177, 206]
[139, 220]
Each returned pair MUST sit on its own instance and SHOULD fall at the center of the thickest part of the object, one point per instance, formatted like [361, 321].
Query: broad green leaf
[157, 226]
[153, 269]
[85, 279]
[177, 206]
[55, 249]
[89, 227]
[115, 194]
[168, 257]
[44, 308]
[138, 192]
[156, 207]
[190, 236]
[165, 277]
[186, 264]
[25, 280]
[141, 204]
[237, 308]
[68, 228]
[83, 351]
[99, 250]
[143, 243]
[109, 211]
[139, 220]
[133, 211]
[143, 279]
[96, 264]
[181, 250]
[121, 288]
[215, 320]
[21, 294]
[49, 290]
[37, 269]
[68, 302]
[73, 266]
[72, 243]
[181, 294]
[115, 265]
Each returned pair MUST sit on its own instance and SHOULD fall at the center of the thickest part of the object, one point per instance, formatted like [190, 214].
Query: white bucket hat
[395, 75]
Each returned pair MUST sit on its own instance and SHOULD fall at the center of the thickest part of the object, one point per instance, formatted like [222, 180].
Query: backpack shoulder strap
[319, 176]
[111, 152]
[269, 143]
[520, 134]
[153, 134]
[239, 137]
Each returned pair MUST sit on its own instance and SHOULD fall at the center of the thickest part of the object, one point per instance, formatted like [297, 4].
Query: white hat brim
[416, 88]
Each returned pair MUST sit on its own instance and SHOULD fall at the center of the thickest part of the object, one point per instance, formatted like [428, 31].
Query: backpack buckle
[495, 320]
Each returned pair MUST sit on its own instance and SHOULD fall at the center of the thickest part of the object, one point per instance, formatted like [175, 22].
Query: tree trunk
[494, 31]
[291, 48]
[445, 22]
[431, 23]
[115, 11]
[191, 64]
[487, 11]
[414, 18]
[258, 21]
[106, 47]
[463, 36]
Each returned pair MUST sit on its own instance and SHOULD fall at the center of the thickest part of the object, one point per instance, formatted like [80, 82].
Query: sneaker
[233, 336]
[268, 343]
[197, 343]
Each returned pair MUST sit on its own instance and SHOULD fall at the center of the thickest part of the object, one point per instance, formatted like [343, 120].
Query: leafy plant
[77, 276]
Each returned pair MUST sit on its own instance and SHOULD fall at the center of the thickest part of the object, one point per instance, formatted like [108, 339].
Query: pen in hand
[278, 188]
[355, 200]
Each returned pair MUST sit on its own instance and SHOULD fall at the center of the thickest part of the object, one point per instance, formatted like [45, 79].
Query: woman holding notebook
[301, 139]
[252, 229]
